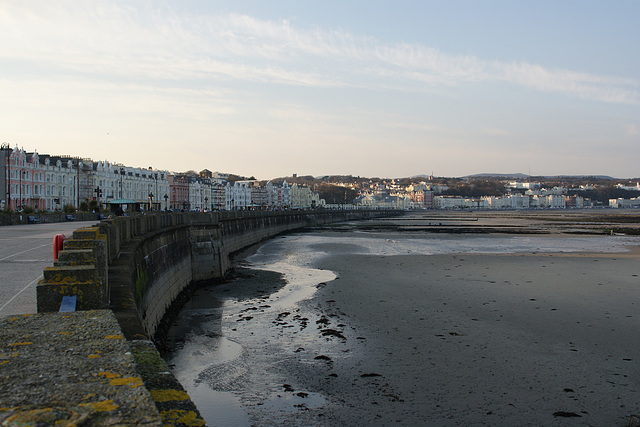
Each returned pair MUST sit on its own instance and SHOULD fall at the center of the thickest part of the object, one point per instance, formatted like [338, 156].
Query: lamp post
[8, 156]
[121, 179]
[98, 192]
[20, 200]
[166, 207]
[150, 201]
[78, 179]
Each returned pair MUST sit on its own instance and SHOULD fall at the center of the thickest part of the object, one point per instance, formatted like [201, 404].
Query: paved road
[25, 250]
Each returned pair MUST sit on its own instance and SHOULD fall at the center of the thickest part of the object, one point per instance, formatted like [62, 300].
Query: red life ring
[58, 240]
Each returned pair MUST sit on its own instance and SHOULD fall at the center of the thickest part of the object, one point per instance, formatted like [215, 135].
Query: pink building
[25, 180]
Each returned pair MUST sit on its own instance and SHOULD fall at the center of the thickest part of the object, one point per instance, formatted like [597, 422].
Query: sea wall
[130, 268]
[138, 265]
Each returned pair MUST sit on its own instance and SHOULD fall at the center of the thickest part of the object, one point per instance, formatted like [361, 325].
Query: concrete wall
[138, 265]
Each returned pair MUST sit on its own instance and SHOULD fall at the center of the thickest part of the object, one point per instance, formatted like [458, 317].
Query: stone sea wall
[123, 273]
[138, 265]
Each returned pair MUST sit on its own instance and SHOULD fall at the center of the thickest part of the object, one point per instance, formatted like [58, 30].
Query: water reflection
[224, 379]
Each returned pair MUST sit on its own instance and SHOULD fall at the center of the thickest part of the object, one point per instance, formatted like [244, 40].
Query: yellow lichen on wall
[45, 416]
[132, 382]
[113, 337]
[103, 406]
[189, 418]
[108, 375]
[168, 395]
[117, 379]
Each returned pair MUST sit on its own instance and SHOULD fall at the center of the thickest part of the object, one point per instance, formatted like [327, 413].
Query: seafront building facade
[47, 182]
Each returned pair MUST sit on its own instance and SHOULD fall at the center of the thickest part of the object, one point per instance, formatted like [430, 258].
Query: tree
[335, 194]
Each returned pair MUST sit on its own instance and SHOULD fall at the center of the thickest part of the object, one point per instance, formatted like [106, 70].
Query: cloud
[583, 85]
[143, 41]
[632, 130]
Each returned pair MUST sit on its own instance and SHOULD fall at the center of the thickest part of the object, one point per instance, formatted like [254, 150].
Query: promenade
[25, 250]
[73, 368]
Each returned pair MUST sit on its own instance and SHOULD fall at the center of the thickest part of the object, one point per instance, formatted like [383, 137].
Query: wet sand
[434, 340]
[490, 339]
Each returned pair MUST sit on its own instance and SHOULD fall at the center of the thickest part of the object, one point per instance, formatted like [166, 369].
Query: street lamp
[166, 207]
[8, 157]
[78, 179]
[20, 173]
[98, 192]
[121, 179]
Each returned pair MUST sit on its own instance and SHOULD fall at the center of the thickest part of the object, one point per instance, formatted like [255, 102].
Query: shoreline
[444, 339]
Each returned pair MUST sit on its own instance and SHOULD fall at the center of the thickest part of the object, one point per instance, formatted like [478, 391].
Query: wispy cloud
[632, 130]
[141, 41]
[583, 85]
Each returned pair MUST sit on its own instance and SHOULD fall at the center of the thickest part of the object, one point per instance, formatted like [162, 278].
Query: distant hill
[334, 179]
[525, 176]
[499, 175]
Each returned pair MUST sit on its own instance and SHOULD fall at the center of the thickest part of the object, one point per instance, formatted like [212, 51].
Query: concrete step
[68, 274]
[72, 257]
[87, 233]
[79, 244]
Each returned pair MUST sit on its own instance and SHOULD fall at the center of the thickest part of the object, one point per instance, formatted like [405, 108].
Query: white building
[195, 195]
[513, 201]
[516, 185]
[61, 183]
[237, 196]
[448, 202]
[278, 196]
[629, 188]
[625, 203]
[107, 182]
[206, 194]
[302, 197]
[552, 201]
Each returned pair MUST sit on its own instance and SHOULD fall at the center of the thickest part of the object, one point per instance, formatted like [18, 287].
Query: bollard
[58, 240]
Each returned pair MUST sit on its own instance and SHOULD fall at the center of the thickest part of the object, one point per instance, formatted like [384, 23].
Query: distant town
[41, 182]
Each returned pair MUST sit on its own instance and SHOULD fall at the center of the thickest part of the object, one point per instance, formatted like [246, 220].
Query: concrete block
[88, 233]
[67, 274]
[75, 257]
[90, 295]
[79, 244]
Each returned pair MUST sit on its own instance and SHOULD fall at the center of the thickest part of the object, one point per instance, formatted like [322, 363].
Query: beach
[399, 333]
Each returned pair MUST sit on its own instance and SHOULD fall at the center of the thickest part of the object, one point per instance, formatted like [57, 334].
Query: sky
[366, 88]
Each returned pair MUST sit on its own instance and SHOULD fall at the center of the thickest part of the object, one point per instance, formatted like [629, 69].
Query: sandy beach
[435, 340]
